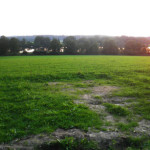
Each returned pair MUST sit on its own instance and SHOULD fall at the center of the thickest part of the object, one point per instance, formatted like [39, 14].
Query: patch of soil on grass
[97, 108]
[104, 139]
[116, 100]
[103, 94]
[54, 83]
[143, 128]
[94, 100]
[27, 143]
[110, 118]
[103, 90]
[76, 133]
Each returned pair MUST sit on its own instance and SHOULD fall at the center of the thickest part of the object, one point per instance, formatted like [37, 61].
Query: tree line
[94, 45]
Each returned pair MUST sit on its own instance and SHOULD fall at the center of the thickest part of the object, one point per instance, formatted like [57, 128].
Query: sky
[75, 17]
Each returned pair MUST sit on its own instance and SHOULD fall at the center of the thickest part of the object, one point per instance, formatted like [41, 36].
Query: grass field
[30, 105]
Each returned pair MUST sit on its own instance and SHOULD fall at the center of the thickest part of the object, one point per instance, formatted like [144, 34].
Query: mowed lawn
[29, 105]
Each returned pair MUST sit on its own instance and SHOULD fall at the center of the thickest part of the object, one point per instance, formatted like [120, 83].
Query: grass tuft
[69, 143]
[116, 110]
[127, 127]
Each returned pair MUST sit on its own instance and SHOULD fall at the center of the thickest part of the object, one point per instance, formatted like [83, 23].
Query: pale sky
[75, 17]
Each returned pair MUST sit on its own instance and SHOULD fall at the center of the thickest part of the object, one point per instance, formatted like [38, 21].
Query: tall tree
[55, 46]
[92, 49]
[4, 45]
[133, 47]
[70, 45]
[83, 45]
[23, 44]
[29, 44]
[14, 45]
[46, 42]
[41, 42]
[38, 41]
[110, 47]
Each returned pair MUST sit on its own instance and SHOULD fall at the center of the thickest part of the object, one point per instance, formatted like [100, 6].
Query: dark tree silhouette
[70, 45]
[41, 42]
[46, 42]
[23, 44]
[87, 45]
[133, 47]
[82, 45]
[55, 46]
[14, 45]
[29, 44]
[4, 45]
[110, 47]
[92, 47]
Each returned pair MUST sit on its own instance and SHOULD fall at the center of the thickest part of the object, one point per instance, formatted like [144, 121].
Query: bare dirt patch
[103, 90]
[116, 100]
[76, 133]
[54, 83]
[143, 128]
[27, 143]
[104, 139]
[100, 91]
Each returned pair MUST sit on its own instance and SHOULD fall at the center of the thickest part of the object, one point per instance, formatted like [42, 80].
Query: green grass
[30, 108]
[127, 127]
[29, 105]
[97, 97]
[137, 143]
[69, 143]
[116, 110]
[144, 107]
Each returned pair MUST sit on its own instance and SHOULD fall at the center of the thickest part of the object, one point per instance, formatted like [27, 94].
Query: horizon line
[75, 35]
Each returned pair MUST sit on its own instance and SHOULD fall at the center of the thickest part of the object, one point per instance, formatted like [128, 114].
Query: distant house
[148, 50]
[62, 49]
[29, 50]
